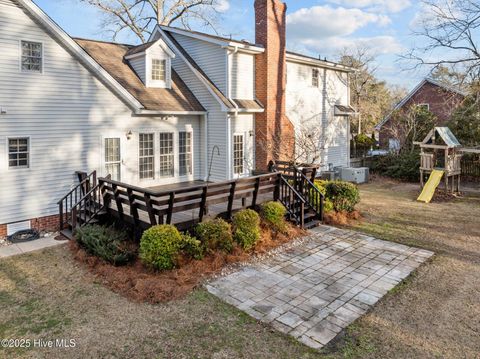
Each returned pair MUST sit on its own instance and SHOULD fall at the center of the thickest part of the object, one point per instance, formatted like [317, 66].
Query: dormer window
[152, 62]
[159, 70]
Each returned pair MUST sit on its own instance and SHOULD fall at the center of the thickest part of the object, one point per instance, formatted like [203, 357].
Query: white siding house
[313, 90]
[159, 113]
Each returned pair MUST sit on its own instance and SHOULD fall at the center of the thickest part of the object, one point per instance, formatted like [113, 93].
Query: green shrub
[246, 228]
[215, 235]
[404, 166]
[273, 213]
[160, 247]
[106, 243]
[343, 195]
[192, 247]
[327, 203]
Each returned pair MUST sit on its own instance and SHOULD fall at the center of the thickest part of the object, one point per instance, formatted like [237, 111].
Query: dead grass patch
[141, 284]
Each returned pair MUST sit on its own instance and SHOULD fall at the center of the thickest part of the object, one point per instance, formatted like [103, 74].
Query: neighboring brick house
[440, 99]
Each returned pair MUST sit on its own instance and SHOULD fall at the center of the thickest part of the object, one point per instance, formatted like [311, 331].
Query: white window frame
[154, 155]
[173, 154]
[244, 167]
[167, 83]
[315, 71]
[29, 154]
[192, 146]
[159, 72]
[20, 47]
[120, 162]
[427, 105]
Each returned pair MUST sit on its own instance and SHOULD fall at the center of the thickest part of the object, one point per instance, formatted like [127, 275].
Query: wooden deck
[185, 204]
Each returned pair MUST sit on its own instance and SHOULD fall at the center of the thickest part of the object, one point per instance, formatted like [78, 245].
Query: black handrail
[311, 193]
[67, 202]
[292, 200]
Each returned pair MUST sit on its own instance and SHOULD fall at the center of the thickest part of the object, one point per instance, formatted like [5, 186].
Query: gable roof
[313, 61]
[111, 57]
[445, 134]
[231, 105]
[414, 91]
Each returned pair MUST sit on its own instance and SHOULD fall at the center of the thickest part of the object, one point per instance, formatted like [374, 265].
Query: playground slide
[432, 184]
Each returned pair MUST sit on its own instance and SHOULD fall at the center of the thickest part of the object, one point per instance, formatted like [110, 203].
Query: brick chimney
[274, 132]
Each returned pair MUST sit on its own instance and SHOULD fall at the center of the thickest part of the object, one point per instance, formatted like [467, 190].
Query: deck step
[67, 233]
[312, 224]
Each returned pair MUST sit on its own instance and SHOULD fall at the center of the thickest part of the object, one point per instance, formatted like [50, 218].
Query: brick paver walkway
[316, 289]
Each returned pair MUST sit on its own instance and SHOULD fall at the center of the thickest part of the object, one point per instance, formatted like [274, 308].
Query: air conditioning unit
[355, 175]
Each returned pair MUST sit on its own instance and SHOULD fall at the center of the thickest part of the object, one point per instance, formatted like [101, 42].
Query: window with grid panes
[146, 156]
[113, 158]
[159, 70]
[238, 154]
[166, 155]
[185, 153]
[32, 56]
[18, 152]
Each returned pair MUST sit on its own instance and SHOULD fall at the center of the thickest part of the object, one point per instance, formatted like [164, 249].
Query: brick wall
[441, 101]
[48, 224]
[274, 132]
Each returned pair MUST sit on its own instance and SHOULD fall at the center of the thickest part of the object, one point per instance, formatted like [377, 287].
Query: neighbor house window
[424, 106]
[238, 154]
[113, 158]
[146, 156]
[32, 56]
[18, 153]
[166, 155]
[185, 153]
[315, 77]
[159, 70]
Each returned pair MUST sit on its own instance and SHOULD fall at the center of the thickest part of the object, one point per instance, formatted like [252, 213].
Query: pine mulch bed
[141, 284]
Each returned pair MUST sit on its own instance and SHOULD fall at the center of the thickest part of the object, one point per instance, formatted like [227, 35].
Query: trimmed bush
[106, 243]
[273, 213]
[327, 203]
[246, 228]
[192, 247]
[343, 195]
[215, 235]
[160, 247]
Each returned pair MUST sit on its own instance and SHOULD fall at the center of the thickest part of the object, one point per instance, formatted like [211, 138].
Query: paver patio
[315, 290]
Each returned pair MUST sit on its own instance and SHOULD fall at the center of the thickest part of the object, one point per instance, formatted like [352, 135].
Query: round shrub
[160, 246]
[246, 228]
[273, 213]
[215, 235]
[344, 195]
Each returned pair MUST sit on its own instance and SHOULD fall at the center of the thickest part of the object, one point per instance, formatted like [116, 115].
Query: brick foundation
[42, 224]
[275, 135]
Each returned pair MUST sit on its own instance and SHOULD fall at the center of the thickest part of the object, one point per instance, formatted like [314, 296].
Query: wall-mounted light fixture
[129, 135]
[251, 133]
[3, 111]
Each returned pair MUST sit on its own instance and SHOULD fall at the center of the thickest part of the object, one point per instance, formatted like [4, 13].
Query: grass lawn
[434, 314]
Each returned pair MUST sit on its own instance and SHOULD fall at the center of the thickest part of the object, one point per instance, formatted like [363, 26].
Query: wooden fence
[143, 207]
[471, 168]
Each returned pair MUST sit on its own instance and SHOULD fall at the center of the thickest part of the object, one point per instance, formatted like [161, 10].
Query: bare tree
[140, 16]
[450, 32]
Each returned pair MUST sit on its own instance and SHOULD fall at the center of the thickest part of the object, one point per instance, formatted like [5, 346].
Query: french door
[113, 157]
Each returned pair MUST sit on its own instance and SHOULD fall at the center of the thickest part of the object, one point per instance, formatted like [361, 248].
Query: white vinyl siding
[139, 66]
[311, 106]
[242, 76]
[67, 114]
[211, 58]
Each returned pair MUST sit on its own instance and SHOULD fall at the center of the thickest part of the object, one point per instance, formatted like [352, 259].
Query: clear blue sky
[315, 27]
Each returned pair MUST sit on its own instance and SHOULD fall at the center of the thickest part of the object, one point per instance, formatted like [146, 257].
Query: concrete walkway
[21, 248]
[315, 290]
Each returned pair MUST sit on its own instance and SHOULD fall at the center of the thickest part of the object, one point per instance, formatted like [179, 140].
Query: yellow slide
[432, 184]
